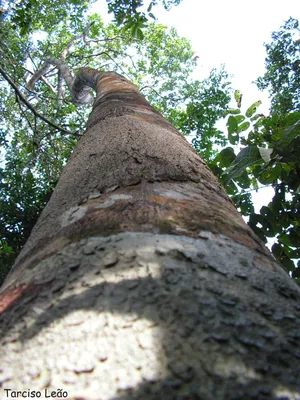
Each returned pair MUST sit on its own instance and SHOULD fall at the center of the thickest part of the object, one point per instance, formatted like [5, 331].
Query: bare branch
[71, 42]
[26, 102]
[85, 95]
[36, 76]
[94, 54]
[104, 40]
[65, 71]
[25, 116]
[60, 88]
[60, 64]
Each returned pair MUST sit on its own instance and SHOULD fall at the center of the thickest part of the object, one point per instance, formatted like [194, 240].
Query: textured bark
[141, 280]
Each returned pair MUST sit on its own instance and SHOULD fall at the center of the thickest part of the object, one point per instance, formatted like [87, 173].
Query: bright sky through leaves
[232, 33]
[228, 32]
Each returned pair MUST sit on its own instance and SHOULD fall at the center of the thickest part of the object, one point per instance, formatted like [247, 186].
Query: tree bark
[141, 280]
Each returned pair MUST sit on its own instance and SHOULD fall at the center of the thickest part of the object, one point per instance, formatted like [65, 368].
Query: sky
[233, 33]
[230, 32]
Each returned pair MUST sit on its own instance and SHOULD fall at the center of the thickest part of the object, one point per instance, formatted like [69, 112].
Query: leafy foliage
[282, 75]
[127, 14]
[30, 15]
[270, 152]
[270, 157]
[22, 199]
[202, 113]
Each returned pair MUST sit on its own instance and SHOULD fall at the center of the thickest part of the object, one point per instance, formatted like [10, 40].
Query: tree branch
[71, 42]
[26, 102]
[64, 70]
[60, 89]
[85, 96]
[4, 55]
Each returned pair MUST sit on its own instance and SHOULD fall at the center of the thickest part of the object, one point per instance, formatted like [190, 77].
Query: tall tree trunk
[140, 279]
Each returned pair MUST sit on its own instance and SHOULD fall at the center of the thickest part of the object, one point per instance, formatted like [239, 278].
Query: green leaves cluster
[270, 150]
[282, 77]
[23, 196]
[270, 156]
[28, 16]
[128, 13]
[201, 114]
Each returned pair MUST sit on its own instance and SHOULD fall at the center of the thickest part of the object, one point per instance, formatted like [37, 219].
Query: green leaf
[255, 117]
[140, 34]
[244, 203]
[290, 133]
[243, 180]
[137, 32]
[240, 118]
[287, 263]
[243, 127]
[237, 95]
[232, 127]
[246, 157]
[259, 122]
[277, 250]
[267, 213]
[238, 98]
[5, 248]
[149, 7]
[296, 273]
[226, 157]
[266, 226]
[252, 109]
[270, 175]
[232, 111]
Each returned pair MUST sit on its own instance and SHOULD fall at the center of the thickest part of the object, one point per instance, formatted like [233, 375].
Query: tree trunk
[140, 279]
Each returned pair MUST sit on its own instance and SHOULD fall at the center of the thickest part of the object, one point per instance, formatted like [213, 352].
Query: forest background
[44, 43]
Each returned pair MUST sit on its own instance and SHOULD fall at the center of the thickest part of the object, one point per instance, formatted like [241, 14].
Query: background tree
[31, 15]
[282, 77]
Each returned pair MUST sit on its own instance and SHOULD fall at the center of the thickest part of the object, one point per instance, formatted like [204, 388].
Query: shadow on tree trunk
[160, 321]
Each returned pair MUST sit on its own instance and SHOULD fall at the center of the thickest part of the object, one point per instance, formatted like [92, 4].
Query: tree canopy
[30, 15]
[282, 76]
